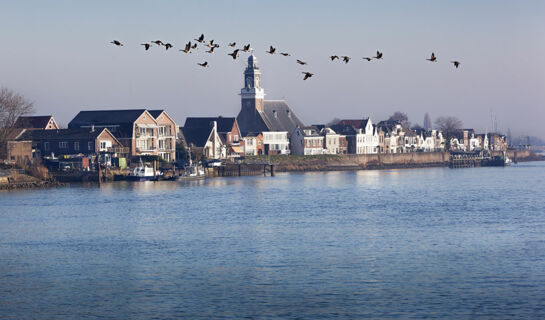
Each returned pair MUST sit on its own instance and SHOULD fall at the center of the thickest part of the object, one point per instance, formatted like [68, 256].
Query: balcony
[118, 150]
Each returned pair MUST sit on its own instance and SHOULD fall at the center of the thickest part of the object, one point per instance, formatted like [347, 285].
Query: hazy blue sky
[57, 53]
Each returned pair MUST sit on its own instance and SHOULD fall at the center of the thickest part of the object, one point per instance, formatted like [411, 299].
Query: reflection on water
[428, 243]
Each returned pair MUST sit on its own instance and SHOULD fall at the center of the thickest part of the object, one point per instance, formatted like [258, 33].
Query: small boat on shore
[192, 173]
[144, 173]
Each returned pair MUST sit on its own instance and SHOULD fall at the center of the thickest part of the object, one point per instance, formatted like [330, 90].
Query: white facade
[367, 139]
[332, 143]
[276, 141]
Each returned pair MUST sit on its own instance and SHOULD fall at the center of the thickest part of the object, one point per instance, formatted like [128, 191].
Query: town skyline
[77, 69]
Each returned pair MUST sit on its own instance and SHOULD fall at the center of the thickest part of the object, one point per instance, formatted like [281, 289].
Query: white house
[276, 142]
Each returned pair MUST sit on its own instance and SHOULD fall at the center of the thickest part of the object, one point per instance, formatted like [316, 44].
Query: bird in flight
[234, 54]
[117, 43]
[333, 58]
[367, 58]
[307, 75]
[211, 50]
[346, 59]
[200, 39]
[232, 44]
[187, 47]
[378, 56]
[146, 45]
[194, 46]
[246, 48]
[456, 63]
[158, 42]
[432, 58]
[272, 50]
[168, 46]
[204, 64]
[285, 54]
[301, 62]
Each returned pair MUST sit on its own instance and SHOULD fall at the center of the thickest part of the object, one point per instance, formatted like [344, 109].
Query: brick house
[166, 134]
[136, 129]
[62, 142]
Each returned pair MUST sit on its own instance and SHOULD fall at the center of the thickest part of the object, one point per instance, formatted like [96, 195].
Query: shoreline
[320, 164]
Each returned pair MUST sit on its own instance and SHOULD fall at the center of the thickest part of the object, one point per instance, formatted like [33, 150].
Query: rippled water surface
[425, 243]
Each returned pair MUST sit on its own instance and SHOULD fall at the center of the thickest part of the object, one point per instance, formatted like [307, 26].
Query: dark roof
[105, 117]
[60, 134]
[344, 129]
[225, 124]
[278, 116]
[30, 122]
[196, 136]
[319, 127]
[357, 123]
[155, 113]
[388, 123]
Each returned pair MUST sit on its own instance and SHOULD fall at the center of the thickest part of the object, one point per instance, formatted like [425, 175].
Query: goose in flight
[378, 56]
[301, 62]
[432, 58]
[187, 47]
[117, 43]
[204, 64]
[456, 63]
[272, 50]
[146, 46]
[307, 75]
[200, 39]
[234, 54]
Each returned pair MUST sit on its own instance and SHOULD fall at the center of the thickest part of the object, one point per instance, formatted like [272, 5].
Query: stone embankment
[23, 181]
[372, 161]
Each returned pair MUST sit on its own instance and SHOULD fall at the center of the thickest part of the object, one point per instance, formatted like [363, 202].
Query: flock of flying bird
[189, 47]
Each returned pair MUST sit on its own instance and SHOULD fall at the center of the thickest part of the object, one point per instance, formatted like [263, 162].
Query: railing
[118, 149]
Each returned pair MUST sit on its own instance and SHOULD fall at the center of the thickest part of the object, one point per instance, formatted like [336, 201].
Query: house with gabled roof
[68, 142]
[136, 129]
[166, 134]
[36, 122]
[205, 141]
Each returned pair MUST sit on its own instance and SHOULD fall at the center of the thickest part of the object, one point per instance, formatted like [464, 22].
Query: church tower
[252, 94]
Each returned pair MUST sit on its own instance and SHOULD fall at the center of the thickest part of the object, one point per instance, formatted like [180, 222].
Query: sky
[58, 54]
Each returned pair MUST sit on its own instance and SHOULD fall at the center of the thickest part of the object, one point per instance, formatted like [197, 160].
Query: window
[235, 137]
[76, 146]
[63, 145]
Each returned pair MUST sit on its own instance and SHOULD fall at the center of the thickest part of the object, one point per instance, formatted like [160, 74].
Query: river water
[421, 243]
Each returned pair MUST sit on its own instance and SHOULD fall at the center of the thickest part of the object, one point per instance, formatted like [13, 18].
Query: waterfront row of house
[262, 127]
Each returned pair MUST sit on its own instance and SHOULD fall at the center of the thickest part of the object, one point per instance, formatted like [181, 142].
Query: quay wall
[361, 161]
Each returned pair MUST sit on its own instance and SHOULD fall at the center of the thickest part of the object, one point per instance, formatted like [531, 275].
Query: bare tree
[12, 106]
[402, 118]
[333, 122]
[449, 126]
[427, 122]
